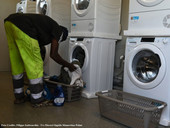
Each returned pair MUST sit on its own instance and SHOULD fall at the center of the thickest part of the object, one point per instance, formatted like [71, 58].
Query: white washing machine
[59, 10]
[26, 6]
[147, 70]
[149, 17]
[96, 56]
[95, 18]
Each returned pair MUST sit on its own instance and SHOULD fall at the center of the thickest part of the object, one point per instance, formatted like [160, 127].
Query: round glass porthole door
[79, 53]
[82, 4]
[146, 66]
[149, 3]
[42, 7]
[82, 7]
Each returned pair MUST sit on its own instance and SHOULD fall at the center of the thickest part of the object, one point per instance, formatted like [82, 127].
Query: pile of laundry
[70, 78]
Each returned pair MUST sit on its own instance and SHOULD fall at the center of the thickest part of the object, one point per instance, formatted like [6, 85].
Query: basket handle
[162, 106]
[105, 91]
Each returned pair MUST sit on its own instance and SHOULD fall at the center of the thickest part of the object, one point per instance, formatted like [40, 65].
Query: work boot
[18, 86]
[21, 100]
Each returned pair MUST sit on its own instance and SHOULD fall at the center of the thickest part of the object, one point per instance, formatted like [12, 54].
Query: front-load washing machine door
[149, 3]
[79, 52]
[82, 7]
[146, 66]
[42, 7]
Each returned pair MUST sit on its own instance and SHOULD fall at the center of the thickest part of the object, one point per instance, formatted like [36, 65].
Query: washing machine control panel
[133, 42]
[73, 40]
[80, 40]
[164, 40]
[142, 40]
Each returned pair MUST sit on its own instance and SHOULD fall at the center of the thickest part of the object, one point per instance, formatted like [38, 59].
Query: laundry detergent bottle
[46, 93]
[59, 96]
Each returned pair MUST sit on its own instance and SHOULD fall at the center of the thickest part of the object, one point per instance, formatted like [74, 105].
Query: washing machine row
[95, 18]
[149, 17]
[95, 54]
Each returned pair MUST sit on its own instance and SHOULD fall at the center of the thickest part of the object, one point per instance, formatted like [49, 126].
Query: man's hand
[57, 58]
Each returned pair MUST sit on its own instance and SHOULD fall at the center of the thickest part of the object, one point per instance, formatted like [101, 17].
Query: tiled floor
[83, 113]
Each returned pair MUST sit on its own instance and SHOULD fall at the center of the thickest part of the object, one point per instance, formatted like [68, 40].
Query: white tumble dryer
[137, 6]
[147, 70]
[26, 6]
[59, 10]
[95, 18]
[149, 17]
[96, 56]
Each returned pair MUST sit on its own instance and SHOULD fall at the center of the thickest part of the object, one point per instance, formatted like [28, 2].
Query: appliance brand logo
[74, 25]
[135, 18]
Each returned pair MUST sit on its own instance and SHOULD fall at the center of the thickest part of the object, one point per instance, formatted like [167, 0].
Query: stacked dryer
[95, 27]
[147, 56]
[59, 10]
[149, 17]
[26, 6]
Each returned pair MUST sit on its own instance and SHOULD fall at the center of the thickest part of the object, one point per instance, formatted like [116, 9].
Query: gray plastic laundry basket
[129, 109]
[71, 92]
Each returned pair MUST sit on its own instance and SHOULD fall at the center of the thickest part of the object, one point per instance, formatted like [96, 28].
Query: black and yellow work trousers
[25, 56]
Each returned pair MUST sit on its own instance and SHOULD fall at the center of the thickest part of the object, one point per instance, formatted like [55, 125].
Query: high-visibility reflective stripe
[18, 77]
[36, 81]
[19, 90]
[37, 96]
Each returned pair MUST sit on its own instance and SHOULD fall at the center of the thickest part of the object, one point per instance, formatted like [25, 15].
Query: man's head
[64, 34]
